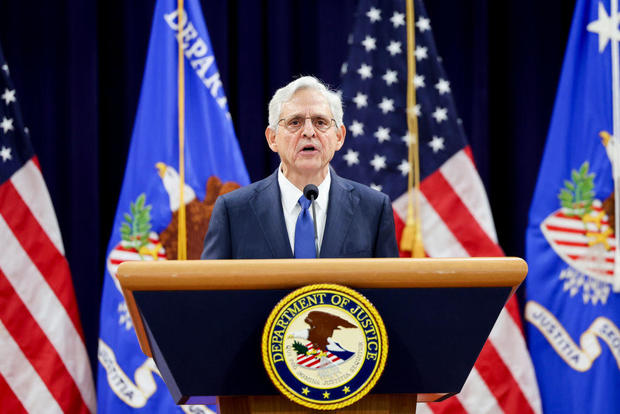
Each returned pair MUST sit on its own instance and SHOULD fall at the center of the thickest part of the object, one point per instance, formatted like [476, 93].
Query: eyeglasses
[295, 123]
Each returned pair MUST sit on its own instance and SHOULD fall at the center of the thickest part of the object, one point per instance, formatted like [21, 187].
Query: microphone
[311, 192]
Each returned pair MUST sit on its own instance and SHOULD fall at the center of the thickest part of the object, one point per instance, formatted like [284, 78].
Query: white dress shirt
[289, 194]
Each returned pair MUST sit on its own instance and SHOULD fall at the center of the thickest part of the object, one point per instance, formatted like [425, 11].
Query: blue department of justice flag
[572, 309]
[145, 226]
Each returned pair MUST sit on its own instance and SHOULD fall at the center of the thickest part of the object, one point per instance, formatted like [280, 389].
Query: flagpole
[615, 82]
[182, 229]
[411, 239]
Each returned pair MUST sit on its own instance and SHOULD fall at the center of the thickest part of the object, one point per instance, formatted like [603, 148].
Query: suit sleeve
[217, 244]
[386, 245]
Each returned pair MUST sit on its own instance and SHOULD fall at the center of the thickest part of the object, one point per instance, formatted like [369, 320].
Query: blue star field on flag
[374, 87]
[15, 146]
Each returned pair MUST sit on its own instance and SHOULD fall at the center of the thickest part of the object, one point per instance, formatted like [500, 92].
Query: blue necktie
[304, 232]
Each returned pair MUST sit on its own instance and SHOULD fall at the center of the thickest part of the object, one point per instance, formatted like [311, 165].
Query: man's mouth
[308, 148]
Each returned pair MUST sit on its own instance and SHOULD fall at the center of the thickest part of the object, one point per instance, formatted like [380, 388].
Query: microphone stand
[311, 191]
[316, 234]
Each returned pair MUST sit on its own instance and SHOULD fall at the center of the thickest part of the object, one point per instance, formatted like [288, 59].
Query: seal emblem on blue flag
[581, 233]
[324, 346]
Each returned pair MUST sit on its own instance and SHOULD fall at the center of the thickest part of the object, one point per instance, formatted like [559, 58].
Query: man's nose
[308, 128]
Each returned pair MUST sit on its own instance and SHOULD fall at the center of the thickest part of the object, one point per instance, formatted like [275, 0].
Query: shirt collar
[290, 194]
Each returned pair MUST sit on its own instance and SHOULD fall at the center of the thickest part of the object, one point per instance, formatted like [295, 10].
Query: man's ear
[270, 134]
[340, 134]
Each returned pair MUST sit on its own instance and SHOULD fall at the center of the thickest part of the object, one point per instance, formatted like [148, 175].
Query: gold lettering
[281, 323]
[293, 309]
[312, 300]
[336, 299]
[278, 336]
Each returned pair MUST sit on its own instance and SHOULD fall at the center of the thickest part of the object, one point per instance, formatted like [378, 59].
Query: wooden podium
[202, 322]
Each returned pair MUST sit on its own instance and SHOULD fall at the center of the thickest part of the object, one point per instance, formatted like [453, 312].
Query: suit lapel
[267, 208]
[340, 212]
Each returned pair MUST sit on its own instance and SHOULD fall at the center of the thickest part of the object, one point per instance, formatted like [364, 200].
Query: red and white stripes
[48, 369]
[571, 237]
[457, 222]
[313, 361]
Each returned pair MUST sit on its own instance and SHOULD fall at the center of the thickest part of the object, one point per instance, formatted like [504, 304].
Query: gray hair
[285, 93]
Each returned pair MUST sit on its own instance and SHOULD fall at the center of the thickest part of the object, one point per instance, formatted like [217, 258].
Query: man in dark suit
[269, 218]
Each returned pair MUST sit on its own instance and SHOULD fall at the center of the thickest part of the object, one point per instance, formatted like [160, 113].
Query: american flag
[455, 215]
[44, 367]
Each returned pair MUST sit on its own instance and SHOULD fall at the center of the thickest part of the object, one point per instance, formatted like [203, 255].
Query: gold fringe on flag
[182, 234]
[411, 239]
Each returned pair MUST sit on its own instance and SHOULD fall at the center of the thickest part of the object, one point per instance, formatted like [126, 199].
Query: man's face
[306, 153]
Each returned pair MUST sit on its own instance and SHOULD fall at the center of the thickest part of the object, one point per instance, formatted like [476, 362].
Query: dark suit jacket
[248, 223]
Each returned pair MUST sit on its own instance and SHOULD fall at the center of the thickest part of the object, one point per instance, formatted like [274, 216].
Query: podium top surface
[291, 273]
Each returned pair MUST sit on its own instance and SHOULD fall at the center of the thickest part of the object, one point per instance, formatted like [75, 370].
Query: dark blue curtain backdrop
[77, 66]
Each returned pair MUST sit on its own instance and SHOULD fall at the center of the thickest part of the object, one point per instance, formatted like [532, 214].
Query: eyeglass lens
[320, 123]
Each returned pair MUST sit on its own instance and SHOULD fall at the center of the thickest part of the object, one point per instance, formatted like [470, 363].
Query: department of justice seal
[324, 346]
